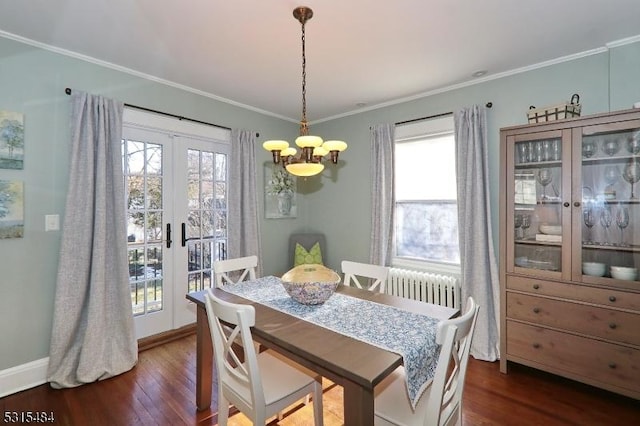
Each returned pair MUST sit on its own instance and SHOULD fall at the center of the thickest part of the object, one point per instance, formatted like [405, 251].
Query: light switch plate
[52, 222]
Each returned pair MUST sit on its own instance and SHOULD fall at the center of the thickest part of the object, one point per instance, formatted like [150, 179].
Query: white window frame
[413, 131]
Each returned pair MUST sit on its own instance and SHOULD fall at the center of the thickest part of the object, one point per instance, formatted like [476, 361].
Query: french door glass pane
[144, 186]
[206, 217]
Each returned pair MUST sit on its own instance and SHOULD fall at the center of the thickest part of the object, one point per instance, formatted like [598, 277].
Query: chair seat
[278, 378]
[392, 403]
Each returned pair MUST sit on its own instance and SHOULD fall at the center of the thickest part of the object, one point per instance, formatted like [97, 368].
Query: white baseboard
[25, 376]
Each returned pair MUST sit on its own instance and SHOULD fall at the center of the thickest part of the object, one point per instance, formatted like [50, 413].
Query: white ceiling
[248, 52]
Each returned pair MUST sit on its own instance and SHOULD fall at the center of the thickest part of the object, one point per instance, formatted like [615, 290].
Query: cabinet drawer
[595, 360]
[600, 296]
[586, 319]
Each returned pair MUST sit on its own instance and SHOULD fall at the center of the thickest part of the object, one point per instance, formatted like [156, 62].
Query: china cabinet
[570, 249]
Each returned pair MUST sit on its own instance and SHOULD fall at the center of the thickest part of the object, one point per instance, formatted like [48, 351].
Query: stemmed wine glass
[545, 176]
[633, 143]
[610, 146]
[605, 220]
[589, 220]
[622, 220]
[588, 148]
[611, 174]
[631, 174]
[517, 223]
[526, 223]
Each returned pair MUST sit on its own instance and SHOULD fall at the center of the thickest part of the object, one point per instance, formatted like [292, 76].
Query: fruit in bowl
[624, 273]
[310, 284]
[594, 269]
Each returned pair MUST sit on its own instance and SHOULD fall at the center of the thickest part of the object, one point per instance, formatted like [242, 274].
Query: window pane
[426, 218]
[427, 230]
[426, 169]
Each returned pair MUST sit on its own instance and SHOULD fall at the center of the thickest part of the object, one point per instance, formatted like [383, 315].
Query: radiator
[440, 289]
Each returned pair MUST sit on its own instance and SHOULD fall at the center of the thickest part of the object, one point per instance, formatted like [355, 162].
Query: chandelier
[313, 149]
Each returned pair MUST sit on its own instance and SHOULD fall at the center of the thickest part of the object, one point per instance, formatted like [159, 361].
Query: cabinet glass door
[609, 179]
[537, 186]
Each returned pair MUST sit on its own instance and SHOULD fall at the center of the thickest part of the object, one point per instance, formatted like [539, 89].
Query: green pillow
[302, 256]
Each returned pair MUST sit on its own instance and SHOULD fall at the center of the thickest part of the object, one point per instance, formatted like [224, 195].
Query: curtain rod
[488, 105]
[68, 92]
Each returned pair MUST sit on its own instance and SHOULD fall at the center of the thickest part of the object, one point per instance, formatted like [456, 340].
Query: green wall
[32, 81]
[341, 209]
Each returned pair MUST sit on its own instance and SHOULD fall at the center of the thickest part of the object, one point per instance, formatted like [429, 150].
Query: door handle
[184, 234]
[169, 235]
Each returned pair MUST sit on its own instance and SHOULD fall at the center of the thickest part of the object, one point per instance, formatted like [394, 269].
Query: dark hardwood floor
[160, 391]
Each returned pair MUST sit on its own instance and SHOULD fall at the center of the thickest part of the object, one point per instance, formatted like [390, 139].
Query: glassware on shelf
[631, 174]
[517, 223]
[611, 174]
[633, 143]
[544, 177]
[588, 148]
[523, 152]
[610, 146]
[526, 223]
[605, 220]
[556, 150]
[622, 220]
[589, 217]
[546, 150]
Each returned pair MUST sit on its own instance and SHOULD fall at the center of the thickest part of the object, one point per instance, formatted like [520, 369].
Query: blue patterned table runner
[411, 335]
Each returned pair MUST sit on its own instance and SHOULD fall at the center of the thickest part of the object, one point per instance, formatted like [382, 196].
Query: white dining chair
[235, 270]
[375, 274]
[441, 402]
[261, 385]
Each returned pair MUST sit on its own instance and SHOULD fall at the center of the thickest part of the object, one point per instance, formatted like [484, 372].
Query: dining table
[351, 362]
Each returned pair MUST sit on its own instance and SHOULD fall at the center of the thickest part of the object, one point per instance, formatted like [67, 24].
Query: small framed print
[279, 193]
[11, 140]
[11, 209]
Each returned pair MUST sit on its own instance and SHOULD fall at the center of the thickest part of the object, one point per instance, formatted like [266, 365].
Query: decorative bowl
[624, 273]
[594, 269]
[551, 229]
[310, 284]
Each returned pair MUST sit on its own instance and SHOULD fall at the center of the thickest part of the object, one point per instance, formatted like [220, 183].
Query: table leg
[358, 405]
[204, 360]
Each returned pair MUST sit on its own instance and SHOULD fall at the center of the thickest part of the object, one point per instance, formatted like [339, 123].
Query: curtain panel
[93, 335]
[382, 193]
[244, 223]
[477, 256]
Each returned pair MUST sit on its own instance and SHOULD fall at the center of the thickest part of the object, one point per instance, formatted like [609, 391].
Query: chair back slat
[375, 275]
[232, 271]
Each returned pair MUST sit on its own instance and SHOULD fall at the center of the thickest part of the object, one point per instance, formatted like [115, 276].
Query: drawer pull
[612, 326]
[536, 286]
[612, 298]
[536, 310]
[536, 345]
[612, 365]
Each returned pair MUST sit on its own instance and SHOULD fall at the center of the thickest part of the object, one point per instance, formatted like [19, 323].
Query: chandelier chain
[304, 128]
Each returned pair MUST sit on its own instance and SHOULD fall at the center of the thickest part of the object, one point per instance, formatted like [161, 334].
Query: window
[426, 210]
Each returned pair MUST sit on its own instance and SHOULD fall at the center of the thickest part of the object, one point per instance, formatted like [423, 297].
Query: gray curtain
[244, 224]
[93, 334]
[382, 193]
[477, 255]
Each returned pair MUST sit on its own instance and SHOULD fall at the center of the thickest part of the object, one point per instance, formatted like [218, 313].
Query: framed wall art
[279, 193]
[11, 209]
[11, 140]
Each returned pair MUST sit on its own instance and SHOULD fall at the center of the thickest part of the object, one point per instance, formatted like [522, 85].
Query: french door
[176, 189]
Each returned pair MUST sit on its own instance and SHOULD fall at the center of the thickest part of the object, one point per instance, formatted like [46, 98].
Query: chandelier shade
[312, 148]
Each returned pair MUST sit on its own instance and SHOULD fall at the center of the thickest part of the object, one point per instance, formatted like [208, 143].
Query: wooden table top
[333, 355]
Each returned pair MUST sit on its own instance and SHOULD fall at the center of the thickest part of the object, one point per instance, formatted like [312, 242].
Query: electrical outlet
[52, 222]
